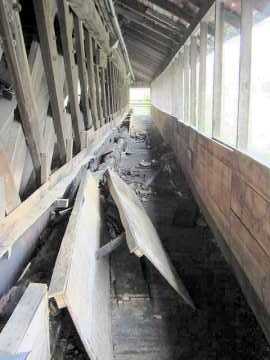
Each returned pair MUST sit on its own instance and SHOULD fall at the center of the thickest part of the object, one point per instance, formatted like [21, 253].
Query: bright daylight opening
[140, 101]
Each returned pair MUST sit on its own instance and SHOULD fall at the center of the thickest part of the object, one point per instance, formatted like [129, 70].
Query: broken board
[80, 282]
[26, 334]
[142, 237]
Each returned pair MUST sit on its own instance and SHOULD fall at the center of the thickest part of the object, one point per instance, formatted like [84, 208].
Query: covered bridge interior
[134, 234]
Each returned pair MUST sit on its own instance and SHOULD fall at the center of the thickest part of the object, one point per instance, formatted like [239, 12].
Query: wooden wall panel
[234, 188]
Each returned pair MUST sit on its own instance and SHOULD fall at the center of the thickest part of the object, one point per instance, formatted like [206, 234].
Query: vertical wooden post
[110, 79]
[181, 88]
[103, 93]
[217, 96]
[66, 26]
[45, 173]
[98, 88]
[2, 198]
[91, 78]
[108, 92]
[45, 22]
[79, 37]
[18, 65]
[186, 84]
[193, 81]
[69, 149]
[245, 73]
[202, 75]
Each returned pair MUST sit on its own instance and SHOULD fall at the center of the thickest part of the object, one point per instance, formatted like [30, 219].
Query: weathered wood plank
[27, 330]
[110, 246]
[11, 193]
[66, 25]
[80, 281]
[142, 237]
[44, 19]
[2, 198]
[80, 51]
[91, 78]
[15, 52]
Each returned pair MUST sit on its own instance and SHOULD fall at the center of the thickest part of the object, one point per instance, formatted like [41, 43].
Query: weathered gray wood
[2, 198]
[79, 37]
[193, 80]
[91, 78]
[45, 171]
[80, 281]
[110, 247]
[45, 19]
[103, 93]
[245, 73]
[202, 75]
[98, 95]
[142, 237]
[12, 198]
[86, 11]
[186, 84]
[217, 96]
[66, 26]
[27, 330]
[15, 52]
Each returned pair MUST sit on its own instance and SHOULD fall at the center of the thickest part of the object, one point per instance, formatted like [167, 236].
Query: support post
[202, 76]
[217, 97]
[91, 78]
[18, 65]
[193, 81]
[79, 38]
[66, 26]
[245, 74]
[44, 18]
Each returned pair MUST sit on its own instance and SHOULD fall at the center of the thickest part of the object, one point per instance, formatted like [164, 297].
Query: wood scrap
[142, 237]
[27, 330]
[80, 282]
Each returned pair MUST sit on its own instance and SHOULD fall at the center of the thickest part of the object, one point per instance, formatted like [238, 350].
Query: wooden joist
[10, 27]
[66, 25]
[80, 52]
[26, 333]
[45, 23]
[20, 230]
[91, 78]
[86, 11]
[142, 237]
[80, 282]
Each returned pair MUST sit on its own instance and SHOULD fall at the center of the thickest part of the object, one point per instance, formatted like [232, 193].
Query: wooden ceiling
[154, 30]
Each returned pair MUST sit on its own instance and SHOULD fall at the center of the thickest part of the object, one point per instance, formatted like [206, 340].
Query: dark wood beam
[152, 26]
[172, 8]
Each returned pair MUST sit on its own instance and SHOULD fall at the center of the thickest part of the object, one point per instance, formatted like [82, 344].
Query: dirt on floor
[149, 320]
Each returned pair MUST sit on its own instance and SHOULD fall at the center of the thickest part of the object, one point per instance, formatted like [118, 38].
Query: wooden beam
[142, 237]
[193, 81]
[2, 197]
[186, 84]
[80, 282]
[103, 93]
[202, 75]
[91, 78]
[14, 47]
[80, 52]
[110, 246]
[45, 24]
[217, 95]
[66, 26]
[245, 74]
[86, 11]
[28, 327]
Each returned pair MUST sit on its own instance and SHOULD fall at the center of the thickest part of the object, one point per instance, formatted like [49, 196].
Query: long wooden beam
[15, 52]
[80, 52]
[91, 78]
[45, 24]
[66, 26]
[87, 12]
